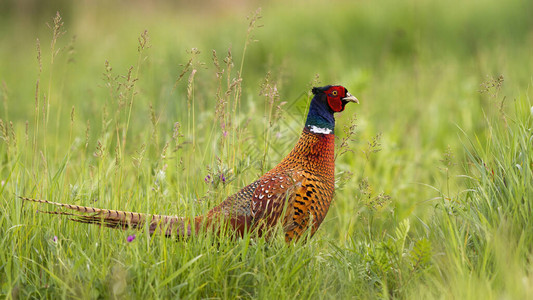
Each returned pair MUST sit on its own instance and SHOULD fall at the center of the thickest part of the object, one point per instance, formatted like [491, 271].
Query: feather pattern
[161, 224]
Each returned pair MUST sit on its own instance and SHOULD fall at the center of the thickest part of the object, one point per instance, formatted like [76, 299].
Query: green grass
[433, 200]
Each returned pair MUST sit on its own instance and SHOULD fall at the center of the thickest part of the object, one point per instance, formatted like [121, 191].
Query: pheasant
[297, 192]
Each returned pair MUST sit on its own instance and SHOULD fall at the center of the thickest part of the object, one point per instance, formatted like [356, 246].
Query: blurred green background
[90, 116]
[417, 66]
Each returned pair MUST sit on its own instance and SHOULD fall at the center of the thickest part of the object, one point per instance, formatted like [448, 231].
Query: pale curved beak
[350, 98]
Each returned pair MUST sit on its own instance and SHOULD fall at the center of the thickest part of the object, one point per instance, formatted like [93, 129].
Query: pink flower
[130, 238]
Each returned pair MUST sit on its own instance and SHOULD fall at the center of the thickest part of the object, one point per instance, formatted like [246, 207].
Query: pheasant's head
[336, 96]
[327, 101]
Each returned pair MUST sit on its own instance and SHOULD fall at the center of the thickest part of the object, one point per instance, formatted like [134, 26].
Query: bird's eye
[334, 93]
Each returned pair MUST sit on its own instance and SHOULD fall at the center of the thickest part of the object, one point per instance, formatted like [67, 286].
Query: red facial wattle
[334, 96]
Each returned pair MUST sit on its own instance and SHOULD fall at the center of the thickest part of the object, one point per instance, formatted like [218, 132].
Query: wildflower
[130, 238]
[54, 239]
[207, 178]
[222, 178]
[224, 131]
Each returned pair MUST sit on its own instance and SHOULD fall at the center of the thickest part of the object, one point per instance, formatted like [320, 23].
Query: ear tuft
[318, 90]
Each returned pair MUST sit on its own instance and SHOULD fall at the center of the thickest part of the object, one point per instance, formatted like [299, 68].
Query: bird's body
[299, 190]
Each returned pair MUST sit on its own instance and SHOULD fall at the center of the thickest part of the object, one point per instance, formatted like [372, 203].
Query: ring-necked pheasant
[298, 190]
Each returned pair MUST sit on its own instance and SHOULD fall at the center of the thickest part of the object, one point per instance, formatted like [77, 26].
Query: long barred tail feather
[158, 224]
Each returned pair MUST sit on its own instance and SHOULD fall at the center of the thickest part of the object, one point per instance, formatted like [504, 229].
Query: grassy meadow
[170, 107]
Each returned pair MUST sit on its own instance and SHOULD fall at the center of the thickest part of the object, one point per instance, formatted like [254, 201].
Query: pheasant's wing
[274, 195]
[311, 201]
